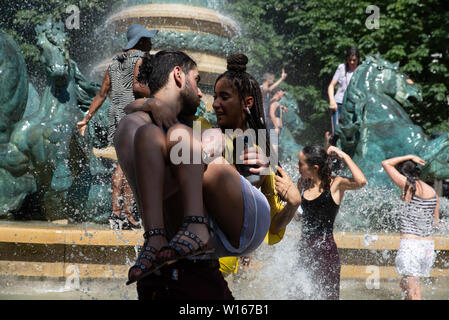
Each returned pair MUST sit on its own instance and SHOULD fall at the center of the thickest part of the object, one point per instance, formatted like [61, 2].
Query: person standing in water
[418, 216]
[320, 199]
[341, 78]
[267, 87]
[275, 115]
[121, 83]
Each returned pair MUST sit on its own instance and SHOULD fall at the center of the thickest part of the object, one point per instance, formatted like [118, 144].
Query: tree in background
[18, 18]
[309, 38]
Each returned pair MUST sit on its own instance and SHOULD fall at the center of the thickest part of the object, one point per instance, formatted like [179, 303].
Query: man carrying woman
[216, 211]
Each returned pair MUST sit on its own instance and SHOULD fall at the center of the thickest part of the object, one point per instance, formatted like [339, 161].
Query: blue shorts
[255, 226]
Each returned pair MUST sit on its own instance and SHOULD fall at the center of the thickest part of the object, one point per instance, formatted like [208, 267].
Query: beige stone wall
[175, 17]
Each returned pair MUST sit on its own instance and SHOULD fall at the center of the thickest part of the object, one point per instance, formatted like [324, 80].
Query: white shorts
[415, 257]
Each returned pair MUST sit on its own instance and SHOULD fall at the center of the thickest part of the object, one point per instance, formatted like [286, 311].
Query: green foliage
[309, 38]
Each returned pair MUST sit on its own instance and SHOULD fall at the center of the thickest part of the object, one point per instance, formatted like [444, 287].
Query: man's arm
[277, 83]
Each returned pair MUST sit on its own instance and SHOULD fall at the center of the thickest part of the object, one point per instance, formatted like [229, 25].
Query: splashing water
[274, 272]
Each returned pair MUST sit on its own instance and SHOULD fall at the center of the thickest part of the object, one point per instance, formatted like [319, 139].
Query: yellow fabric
[204, 123]
[269, 190]
[276, 206]
[228, 265]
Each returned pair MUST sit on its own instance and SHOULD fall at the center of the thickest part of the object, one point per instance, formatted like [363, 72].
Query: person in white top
[341, 77]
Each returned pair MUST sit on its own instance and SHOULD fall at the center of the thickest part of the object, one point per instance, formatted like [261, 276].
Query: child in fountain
[321, 196]
[416, 248]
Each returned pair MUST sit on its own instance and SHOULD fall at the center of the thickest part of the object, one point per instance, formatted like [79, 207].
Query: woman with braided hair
[238, 104]
[321, 196]
[416, 248]
[237, 212]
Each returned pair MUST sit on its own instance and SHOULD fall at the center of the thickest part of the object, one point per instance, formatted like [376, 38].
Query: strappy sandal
[156, 264]
[179, 251]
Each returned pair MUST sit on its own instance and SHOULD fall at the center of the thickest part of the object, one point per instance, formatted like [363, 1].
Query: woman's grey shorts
[256, 223]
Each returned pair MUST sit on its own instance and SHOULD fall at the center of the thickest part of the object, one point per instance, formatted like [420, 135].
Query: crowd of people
[225, 197]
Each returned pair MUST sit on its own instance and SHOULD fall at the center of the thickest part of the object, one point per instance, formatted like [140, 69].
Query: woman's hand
[213, 142]
[417, 160]
[333, 105]
[286, 188]
[283, 75]
[82, 125]
[255, 156]
[334, 152]
[164, 115]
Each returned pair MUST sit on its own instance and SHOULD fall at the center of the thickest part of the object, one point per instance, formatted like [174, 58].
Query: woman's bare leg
[150, 154]
[223, 199]
[128, 136]
[222, 191]
[189, 175]
[412, 288]
[128, 198]
[116, 191]
[124, 146]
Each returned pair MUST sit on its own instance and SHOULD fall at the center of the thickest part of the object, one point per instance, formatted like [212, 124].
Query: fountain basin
[49, 250]
[176, 17]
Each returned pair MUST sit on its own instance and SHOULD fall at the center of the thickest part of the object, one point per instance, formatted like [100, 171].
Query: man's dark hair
[155, 69]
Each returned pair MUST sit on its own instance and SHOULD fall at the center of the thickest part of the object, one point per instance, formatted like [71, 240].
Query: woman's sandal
[156, 264]
[179, 251]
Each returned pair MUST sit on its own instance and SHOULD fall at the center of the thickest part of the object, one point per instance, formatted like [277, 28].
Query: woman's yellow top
[268, 188]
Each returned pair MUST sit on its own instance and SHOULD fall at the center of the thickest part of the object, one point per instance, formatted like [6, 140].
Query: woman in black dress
[321, 195]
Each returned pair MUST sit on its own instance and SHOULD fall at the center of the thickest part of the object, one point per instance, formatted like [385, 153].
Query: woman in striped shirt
[120, 83]
[416, 249]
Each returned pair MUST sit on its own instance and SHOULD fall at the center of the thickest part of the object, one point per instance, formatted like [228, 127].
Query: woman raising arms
[320, 197]
[416, 248]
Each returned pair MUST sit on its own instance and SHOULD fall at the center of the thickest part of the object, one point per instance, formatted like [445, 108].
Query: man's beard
[190, 99]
